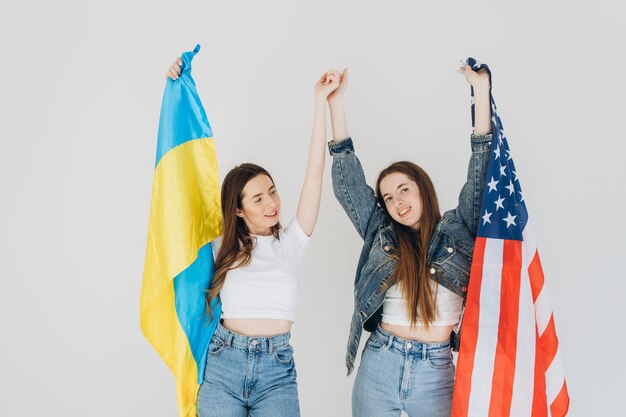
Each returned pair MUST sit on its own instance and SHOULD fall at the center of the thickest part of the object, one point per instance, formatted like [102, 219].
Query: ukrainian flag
[185, 216]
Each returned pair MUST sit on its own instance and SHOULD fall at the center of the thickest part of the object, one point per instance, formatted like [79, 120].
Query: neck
[263, 231]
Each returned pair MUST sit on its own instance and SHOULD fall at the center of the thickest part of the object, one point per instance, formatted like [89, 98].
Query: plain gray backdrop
[80, 93]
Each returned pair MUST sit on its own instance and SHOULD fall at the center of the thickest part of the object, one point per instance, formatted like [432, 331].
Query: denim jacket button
[432, 271]
[450, 250]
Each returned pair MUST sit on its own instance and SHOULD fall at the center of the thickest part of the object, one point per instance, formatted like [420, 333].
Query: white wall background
[80, 92]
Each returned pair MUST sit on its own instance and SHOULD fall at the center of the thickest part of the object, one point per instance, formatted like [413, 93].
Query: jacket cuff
[341, 147]
[481, 143]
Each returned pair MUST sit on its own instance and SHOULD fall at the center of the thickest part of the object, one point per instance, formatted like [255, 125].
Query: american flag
[509, 362]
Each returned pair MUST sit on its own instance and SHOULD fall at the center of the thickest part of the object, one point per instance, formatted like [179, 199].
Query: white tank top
[267, 287]
[449, 307]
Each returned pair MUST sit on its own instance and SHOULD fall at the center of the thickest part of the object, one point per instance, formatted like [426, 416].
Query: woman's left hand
[328, 83]
[478, 79]
[337, 95]
[481, 84]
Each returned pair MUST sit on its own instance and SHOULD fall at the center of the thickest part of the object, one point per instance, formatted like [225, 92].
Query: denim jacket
[450, 249]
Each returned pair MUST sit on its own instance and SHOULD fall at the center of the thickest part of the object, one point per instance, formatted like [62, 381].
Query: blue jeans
[398, 374]
[249, 376]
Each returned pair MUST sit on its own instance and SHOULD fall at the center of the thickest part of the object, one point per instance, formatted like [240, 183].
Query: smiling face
[401, 197]
[260, 205]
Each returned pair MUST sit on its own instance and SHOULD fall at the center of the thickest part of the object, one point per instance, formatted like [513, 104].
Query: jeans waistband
[409, 345]
[264, 344]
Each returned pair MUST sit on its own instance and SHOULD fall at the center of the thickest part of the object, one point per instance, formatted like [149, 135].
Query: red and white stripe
[509, 363]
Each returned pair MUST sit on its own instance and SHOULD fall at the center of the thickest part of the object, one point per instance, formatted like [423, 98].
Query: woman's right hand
[174, 70]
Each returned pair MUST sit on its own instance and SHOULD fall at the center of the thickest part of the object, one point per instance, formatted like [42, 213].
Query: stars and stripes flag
[509, 363]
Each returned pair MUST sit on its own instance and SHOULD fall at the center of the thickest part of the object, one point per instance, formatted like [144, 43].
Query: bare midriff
[258, 327]
[432, 334]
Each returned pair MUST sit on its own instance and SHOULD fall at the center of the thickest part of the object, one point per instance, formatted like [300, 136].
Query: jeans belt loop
[390, 341]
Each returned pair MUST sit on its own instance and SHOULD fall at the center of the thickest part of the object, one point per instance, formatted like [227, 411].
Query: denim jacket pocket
[445, 249]
[388, 241]
[452, 260]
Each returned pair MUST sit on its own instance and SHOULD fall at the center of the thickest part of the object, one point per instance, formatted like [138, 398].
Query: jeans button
[409, 345]
[255, 342]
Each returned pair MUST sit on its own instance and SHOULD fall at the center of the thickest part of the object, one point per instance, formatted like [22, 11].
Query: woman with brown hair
[414, 268]
[250, 369]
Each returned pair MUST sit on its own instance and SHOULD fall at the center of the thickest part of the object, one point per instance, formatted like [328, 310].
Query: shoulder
[293, 233]
[216, 245]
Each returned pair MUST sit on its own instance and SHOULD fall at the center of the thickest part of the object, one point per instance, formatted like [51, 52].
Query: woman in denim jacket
[414, 269]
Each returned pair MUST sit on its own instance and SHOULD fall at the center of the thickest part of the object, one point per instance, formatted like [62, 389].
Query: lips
[272, 215]
[404, 212]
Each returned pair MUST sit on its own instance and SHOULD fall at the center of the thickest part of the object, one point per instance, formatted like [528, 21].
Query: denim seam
[344, 189]
[405, 385]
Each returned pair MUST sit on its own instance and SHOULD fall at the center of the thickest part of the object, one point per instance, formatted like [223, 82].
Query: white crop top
[449, 307]
[268, 286]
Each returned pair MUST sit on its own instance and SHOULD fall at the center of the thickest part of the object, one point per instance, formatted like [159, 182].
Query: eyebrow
[260, 194]
[401, 185]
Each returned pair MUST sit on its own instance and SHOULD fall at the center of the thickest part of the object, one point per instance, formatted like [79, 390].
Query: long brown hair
[412, 272]
[237, 244]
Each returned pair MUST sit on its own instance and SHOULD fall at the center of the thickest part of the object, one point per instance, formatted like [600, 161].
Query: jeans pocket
[283, 355]
[216, 346]
[441, 360]
[375, 344]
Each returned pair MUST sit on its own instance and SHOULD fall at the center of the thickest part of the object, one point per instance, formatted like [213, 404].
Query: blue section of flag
[190, 289]
[504, 213]
[187, 119]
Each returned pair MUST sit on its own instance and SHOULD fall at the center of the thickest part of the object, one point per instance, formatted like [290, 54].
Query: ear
[239, 213]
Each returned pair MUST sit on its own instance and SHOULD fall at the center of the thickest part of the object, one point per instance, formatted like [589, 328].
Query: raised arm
[352, 192]
[337, 111]
[471, 196]
[309, 204]
[481, 84]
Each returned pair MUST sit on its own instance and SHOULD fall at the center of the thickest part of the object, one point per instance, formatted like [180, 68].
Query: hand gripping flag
[185, 216]
[509, 363]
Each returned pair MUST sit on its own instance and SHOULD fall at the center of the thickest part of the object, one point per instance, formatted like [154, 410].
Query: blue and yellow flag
[185, 216]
